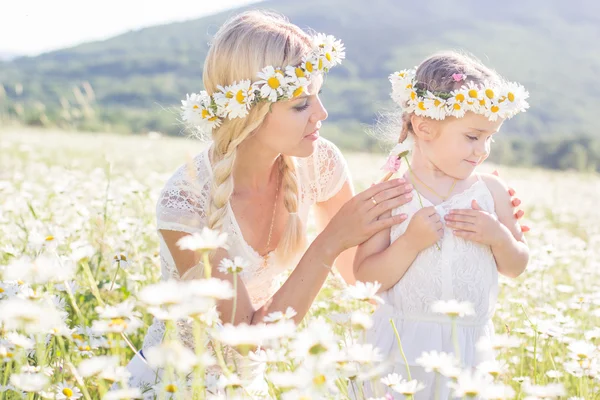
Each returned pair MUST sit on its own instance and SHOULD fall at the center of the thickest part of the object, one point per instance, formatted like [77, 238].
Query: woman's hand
[358, 219]
[516, 202]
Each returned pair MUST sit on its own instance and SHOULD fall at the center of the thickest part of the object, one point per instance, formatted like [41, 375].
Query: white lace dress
[461, 270]
[182, 206]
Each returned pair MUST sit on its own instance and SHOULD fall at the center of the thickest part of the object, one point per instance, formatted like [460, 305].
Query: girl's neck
[426, 170]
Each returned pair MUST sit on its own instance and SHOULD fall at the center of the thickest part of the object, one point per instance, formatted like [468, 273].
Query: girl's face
[457, 145]
[292, 127]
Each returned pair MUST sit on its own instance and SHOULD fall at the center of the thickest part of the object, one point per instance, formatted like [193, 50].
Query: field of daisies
[80, 284]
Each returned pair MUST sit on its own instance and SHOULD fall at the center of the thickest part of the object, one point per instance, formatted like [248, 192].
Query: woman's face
[292, 127]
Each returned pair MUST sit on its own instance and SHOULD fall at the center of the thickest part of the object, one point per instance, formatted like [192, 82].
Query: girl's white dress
[182, 206]
[461, 270]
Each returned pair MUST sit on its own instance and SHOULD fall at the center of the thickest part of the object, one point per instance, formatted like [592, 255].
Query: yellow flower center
[328, 56]
[299, 72]
[422, 105]
[402, 74]
[409, 86]
[437, 103]
[413, 95]
[171, 388]
[460, 97]
[473, 93]
[279, 71]
[229, 95]
[67, 392]
[319, 379]
[309, 66]
[456, 106]
[495, 109]
[489, 93]
[273, 82]
[1, 290]
[205, 113]
[511, 96]
[49, 238]
[117, 322]
[196, 106]
[298, 91]
[317, 349]
[212, 119]
[240, 97]
[482, 102]
[77, 336]
[9, 355]
[320, 64]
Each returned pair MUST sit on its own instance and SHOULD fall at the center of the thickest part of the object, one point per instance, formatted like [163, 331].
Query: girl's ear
[424, 128]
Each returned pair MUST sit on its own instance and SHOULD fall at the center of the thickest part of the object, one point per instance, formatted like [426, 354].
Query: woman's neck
[255, 167]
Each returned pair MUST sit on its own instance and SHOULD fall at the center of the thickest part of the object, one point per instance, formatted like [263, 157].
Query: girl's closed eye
[302, 107]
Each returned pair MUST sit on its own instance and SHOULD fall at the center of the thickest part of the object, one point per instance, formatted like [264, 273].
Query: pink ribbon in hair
[392, 164]
[459, 77]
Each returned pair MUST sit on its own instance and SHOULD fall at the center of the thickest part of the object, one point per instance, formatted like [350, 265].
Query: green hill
[139, 77]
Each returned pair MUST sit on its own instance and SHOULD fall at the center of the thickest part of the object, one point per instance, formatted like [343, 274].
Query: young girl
[460, 229]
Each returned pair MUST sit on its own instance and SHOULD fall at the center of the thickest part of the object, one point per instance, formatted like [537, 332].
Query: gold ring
[373, 200]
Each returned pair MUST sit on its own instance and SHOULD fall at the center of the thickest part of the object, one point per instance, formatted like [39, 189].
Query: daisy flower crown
[490, 99]
[207, 112]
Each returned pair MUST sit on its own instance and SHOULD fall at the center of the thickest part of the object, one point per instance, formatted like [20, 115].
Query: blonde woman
[265, 169]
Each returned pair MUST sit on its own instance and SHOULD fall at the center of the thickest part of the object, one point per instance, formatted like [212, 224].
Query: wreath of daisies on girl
[206, 112]
[495, 101]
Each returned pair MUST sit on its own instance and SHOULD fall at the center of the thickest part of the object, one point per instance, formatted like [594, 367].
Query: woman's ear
[423, 127]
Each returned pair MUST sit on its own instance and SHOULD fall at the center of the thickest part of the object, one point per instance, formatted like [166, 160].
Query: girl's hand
[516, 202]
[359, 218]
[477, 225]
[425, 229]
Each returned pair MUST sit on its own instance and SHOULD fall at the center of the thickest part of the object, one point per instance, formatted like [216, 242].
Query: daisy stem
[207, 269]
[418, 194]
[74, 304]
[234, 298]
[220, 359]
[199, 371]
[92, 282]
[7, 371]
[437, 386]
[401, 349]
[73, 370]
[115, 277]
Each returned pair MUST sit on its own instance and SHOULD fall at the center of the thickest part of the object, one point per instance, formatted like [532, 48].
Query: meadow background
[89, 135]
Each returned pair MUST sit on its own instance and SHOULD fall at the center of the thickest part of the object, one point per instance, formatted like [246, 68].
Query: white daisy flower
[436, 107]
[198, 110]
[493, 391]
[453, 308]
[392, 379]
[235, 266]
[272, 84]
[364, 291]
[499, 342]
[30, 316]
[469, 384]
[581, 350]
[278, 316]
[408, 388]
[310, 64]
[331, 51]
[314, 341]
[361, 321]
[45, 268]
[214, 288]
[550, 391]
[241, 335]
[30, 382]
[497, 110]
[171, 354]
[494, 368]
[298, 81]
[437, 362]
[207, 240]
[65, 391]
[243, 97]
[128, 393]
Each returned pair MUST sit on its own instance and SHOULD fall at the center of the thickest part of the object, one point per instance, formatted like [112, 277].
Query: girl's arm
[325, 211]
[503, 234]
[377, 260]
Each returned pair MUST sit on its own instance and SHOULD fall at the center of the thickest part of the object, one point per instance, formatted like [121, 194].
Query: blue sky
[31, 27]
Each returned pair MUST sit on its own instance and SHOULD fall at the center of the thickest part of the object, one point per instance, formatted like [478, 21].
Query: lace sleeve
[181, 204]
[332, 170]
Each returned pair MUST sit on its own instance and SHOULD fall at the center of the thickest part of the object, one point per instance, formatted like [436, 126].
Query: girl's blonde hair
[241, 48]
[435, 74]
